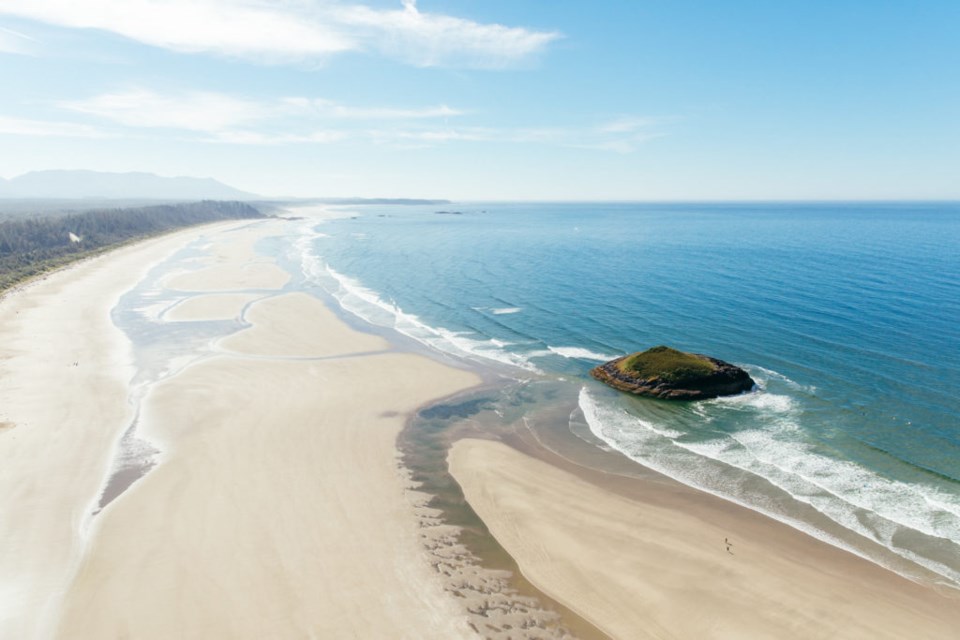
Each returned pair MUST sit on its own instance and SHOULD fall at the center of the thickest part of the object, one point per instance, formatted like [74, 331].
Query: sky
[492, 99]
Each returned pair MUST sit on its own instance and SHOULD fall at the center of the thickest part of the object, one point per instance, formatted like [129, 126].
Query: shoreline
[794, 573]
[602, 464]
[276, 505]
[298, 516]
[588, 537]
[128, 511]
[56, 333]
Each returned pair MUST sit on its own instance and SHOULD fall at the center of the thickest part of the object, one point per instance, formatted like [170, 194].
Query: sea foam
[579, 353]
[851, 496]
[370, 306]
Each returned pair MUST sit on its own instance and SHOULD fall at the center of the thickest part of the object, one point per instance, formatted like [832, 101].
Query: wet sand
[277, 508]
[227, 306]
[64, 371]
[644, 559]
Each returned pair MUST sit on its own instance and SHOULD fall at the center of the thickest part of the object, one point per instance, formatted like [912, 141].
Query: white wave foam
[757, 400]
[847, 482]
[578, 353]
[597, 414]
[779, 454]
[842, 491]
[309, 262]
[502, 311]
[367, 304]
[763, 376]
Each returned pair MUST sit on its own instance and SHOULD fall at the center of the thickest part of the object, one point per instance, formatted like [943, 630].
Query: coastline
[645, 556]
[277, 508]
[64, 369]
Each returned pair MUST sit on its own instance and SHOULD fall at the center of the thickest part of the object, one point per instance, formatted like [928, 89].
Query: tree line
[34, 245]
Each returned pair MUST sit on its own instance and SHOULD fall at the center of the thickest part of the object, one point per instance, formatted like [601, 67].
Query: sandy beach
[645, 561]
[277, 509]
[276, 506]
[64, 370]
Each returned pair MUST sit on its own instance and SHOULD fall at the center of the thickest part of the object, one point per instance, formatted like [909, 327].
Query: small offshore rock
[663, 372]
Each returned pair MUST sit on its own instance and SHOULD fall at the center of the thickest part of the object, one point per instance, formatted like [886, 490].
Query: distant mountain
[98, 184]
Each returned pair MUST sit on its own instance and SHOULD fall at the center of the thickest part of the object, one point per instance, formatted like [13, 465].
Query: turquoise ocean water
[847, 315]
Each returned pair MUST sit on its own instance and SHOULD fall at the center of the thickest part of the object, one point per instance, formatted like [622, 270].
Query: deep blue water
[848, 315]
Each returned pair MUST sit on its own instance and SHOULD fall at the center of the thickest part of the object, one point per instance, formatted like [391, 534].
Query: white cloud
[328, 108]
[293, 30]
[428, 39]
[427, 137]
[628, 124]
[241, 28]
[195, 111]
[260, 138]
[218, 113]
[626, 133]
[214, 118]
[221, 118]
[627, 144]
[597, 138]
[44, 128]
[15, 42]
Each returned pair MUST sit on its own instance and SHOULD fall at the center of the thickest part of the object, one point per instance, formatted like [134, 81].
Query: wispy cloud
[427, 39]
[265, 138]
[237, 119]
[46, 128]
[15, 42]
[294, 30]
[627, 133]
[240, 28]
[230, 119]
[597, 138]
[195, 111]
[627, 144]
[629, 124]
[331, 109]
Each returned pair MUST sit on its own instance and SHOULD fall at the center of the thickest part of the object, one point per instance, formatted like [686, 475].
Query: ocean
[847, 315]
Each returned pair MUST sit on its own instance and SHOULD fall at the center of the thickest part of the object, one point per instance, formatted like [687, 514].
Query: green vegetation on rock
[669, 365]
[662, 372]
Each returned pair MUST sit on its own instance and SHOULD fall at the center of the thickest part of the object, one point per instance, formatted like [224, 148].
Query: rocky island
[662, 372]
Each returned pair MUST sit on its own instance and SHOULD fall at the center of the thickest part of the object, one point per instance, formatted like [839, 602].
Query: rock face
[662, 372]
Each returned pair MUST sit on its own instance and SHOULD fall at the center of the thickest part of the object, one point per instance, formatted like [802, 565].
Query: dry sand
[277, 509]
[279, 512]
[64, 369]
[233, 264]
[639, 569]
[298, 325]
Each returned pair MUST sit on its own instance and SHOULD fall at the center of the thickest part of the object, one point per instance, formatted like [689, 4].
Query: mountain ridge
[71, 184]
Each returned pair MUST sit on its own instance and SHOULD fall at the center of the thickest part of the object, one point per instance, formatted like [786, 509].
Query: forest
[33, 245]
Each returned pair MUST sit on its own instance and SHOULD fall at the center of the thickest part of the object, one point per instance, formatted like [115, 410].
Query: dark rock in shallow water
[662, 372]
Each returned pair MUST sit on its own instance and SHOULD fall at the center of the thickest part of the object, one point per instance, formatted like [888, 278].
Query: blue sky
[492, 99]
